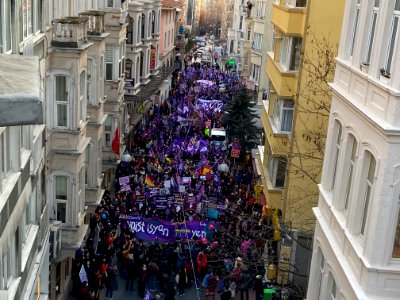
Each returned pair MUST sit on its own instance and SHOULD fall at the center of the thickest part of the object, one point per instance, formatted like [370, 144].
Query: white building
[52, 176]
[357, 236]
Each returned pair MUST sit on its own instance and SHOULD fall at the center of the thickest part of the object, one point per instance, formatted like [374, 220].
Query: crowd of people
[174, 154]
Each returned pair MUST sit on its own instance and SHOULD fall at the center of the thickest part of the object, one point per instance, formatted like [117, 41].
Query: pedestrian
[182, 280]
[110, 282]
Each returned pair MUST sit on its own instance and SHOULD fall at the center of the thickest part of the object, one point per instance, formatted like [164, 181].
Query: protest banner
[124, 184]
[166, 231]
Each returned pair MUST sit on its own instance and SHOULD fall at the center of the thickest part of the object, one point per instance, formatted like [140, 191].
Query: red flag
[115, 142]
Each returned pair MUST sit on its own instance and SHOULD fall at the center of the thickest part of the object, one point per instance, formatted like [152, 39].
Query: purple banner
[166, 231]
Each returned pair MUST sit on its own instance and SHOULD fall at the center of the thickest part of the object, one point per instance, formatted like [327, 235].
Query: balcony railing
[95, 25]
[69, 32]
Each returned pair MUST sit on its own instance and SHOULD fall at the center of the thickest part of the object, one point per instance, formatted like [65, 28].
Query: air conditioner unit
[55, 241]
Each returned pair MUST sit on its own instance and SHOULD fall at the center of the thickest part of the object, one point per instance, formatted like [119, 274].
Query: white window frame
[82, 97]
[60, 201]
[320, 270]
[372, 29]
[26, 21]
[354, 27]
[332, 288]
[81, 189]
[109, 62]
[6, 35]
[275, 163]
[8, 265]
[350, 161]
[396, 237]
[63, 103]
[286, 54]
[279, 113]
[338, 130]
[90, 81]
[369, 171]
[5, 154]
[108, 132]
[393, 38]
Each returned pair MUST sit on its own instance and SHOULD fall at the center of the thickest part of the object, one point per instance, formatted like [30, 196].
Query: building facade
[356, 250]
[53, 176]
[295, 122]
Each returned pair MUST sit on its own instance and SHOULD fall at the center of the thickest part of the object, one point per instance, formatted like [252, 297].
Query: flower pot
[384, 80]
[364, 68]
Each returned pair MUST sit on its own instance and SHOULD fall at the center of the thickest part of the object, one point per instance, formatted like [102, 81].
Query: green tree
[240, 118]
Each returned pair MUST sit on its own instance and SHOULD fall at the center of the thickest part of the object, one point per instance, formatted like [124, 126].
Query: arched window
[153, 22]
[350, 162]
[143, 27]
[141, 64]
[62, 89]
[139, 30]
[337, 138]
[368, 176]
[128, 69]
[129, 32]
[61, 196]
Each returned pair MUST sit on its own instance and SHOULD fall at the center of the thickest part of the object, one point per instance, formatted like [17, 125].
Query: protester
[175, 218]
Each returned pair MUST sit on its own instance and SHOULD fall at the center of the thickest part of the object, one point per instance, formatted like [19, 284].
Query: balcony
[285, 83]
[278, 142]
[290, 20]
[95, 25]
[69, 32]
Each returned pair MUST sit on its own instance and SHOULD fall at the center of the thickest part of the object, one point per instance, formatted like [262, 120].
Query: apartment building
[53, 175]
[357, 237]
[290, 160]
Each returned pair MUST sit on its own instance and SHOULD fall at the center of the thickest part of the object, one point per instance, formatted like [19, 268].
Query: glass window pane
[62, 115]
[61, 211]
[392, 42]
[354, 31]
[61, 187]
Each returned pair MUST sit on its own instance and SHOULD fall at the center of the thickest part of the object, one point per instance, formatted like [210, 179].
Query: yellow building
[295, 114]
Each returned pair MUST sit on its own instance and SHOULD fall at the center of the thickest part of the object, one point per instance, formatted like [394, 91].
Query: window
[396, 244]
[354, 29]
[142, 26]
[283, 115]
[369, 182]
[121, 61]
[320, 271]
[87, 163]
[260, 10]
[5, 29]
[338, 133]
[332, 287]
[62, 101]
[61, 197]
[153, 22]
[107, 132]
[351, 162]
[296, 3]
[110, 3]
[81, 192]
[82, 96]
[277, 170]
[5, 159]
[371, 34]
[24, 8]
[392, 37]
[8, 264]
[257, 42]
[89, 93]
[109, 59]
[129, 32]
[248, 34]
[139, 33]
[289, 53]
